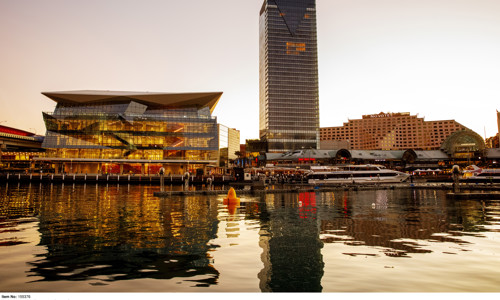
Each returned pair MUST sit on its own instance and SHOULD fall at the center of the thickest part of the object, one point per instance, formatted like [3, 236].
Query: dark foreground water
[92, 238]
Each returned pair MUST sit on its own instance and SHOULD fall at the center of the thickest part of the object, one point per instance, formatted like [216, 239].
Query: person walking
[162, 179]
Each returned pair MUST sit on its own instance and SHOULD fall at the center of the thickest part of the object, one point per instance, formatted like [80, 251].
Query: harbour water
[120, 238]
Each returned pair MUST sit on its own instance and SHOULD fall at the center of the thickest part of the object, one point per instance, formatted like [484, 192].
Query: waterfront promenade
[111, 178]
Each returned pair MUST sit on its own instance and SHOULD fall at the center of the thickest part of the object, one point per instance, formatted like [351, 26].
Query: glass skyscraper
[289, 104]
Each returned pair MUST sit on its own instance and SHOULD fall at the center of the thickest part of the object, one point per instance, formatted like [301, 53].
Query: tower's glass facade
[289, 105]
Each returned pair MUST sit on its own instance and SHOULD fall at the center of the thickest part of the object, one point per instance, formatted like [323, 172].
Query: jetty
[258, 189]
[485, 195]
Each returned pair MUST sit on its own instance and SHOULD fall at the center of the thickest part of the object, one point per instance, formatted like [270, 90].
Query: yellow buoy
[232, 194]
[231, 199]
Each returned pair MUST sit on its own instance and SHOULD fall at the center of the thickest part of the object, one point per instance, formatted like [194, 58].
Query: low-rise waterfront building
[493, 142]
[453, 152]
[255, 151]
[131, 132]
[18, 148]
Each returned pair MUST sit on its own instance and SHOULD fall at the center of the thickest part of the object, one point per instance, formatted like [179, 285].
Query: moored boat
[363, 174]
[478, 175]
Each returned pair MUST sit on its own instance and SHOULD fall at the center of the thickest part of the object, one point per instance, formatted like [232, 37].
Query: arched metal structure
[343, 154]
[464, 144]
[409, 156]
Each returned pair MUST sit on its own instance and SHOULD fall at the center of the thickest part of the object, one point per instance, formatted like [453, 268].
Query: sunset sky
[439, 59]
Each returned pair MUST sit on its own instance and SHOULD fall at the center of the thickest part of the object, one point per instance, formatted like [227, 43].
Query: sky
[438, 59]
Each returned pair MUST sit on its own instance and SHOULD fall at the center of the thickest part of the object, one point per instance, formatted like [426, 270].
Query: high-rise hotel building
[289, 104]
[392, 131]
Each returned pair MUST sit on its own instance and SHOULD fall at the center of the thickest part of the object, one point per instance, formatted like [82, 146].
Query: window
[295, 48]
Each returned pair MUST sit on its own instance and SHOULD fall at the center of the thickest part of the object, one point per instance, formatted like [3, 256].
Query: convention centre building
[99, 132]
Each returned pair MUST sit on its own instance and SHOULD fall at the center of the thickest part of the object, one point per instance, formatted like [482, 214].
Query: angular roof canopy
[209, 99]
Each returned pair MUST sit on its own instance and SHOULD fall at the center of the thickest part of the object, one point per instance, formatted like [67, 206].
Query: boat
[475, 174]
[362, 174]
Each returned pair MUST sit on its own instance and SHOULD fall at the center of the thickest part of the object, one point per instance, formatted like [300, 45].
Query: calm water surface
[95, 238]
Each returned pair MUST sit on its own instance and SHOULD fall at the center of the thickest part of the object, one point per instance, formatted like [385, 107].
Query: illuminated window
[295, 48]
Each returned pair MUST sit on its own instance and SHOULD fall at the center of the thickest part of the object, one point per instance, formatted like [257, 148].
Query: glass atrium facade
[130, 129]
[289, 96]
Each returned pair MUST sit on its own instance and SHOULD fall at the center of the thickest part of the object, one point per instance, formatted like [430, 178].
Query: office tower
[289, 105]
[229, 144]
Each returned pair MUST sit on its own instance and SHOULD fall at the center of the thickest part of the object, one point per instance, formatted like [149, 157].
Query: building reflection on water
[295, 226]
[289, 236]
[397, 220]
[117, 233]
